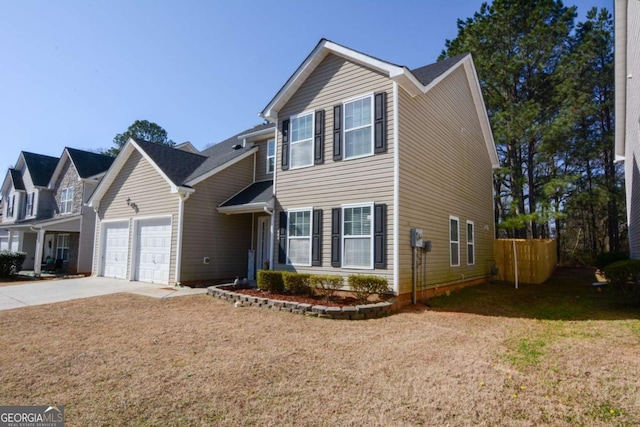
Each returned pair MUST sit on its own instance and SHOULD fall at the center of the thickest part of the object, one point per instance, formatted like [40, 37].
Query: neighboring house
[627, 127]
[367, 151]
[4, 234]
[164, 213]
[44, 212]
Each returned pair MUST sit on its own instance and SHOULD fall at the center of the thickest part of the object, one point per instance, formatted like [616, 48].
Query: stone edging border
[358, 312]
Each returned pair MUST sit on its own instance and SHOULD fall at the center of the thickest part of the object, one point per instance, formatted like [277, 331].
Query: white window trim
[451, 264]
[289, 211]
[58, 247]
[312, 139]
[343, 237]
[65, 191]
[344, 126]
[271, 141]
[471, 243]
[11, 202]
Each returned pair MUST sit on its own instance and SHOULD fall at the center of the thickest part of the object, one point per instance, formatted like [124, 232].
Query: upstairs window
[66, 200]
[302, 140]
[271, 155]
[454, 241]
[10, 205]
[358, 132]
[29, 208]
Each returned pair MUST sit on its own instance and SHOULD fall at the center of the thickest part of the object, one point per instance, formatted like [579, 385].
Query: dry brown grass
[127, 360]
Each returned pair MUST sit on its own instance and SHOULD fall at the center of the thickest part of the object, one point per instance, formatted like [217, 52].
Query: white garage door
[115, 250]
[4, 243]
[154, 250]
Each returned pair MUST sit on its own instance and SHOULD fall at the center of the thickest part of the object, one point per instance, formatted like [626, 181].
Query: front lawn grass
[127, 360]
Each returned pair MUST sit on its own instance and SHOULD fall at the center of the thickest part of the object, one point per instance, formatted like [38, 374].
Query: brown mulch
[336, 301]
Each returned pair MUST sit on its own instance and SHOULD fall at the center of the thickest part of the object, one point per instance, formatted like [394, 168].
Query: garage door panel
[115, 251]
[153, 250]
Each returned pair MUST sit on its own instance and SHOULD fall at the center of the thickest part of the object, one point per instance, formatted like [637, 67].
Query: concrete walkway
[25, 294]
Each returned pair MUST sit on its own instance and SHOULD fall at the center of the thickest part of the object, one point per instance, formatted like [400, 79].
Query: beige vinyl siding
[150, 192]
[335, 183]
[225, 239]
[261, 162]
[632, 134]
[444, 170]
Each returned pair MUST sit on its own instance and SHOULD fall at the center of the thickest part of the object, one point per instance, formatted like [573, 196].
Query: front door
[262, 247]
[47, 251]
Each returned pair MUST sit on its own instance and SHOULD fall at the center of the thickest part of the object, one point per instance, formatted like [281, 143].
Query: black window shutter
[318, 146]
[380, 236]
[337, 132]
[316, 238]
[380, 122]
[285, 145]
[336, 226]
[282, 239]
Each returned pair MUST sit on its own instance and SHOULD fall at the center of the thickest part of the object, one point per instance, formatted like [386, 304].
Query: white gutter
[396, 192]
[273, 216]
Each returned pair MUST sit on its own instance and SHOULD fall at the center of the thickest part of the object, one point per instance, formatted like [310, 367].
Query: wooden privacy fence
[537, 259]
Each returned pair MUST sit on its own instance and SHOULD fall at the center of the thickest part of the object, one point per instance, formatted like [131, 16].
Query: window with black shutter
[380, 236]
[318, 146]
[316, 238]
[380, 122]
[336, 238]
[337, 132]
[285, 145]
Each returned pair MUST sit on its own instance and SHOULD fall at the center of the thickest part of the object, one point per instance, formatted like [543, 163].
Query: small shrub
[271, 281]
[625, 276]
[326, 285]
[11, 263]
[297, 283]
[364, 285]
[605, 258]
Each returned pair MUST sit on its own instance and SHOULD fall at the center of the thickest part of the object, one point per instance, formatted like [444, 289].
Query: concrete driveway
[50, 291]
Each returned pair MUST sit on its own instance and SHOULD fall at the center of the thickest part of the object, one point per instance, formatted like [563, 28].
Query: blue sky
[76, 73]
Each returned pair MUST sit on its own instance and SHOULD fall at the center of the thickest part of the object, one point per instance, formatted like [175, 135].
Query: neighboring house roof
[416, 82]
[258, 192]
[86, 164]
[89, 164]
[16, 178]
[181, 169]
[41, 167]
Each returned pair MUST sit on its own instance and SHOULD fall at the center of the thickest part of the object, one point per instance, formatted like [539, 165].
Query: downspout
[272, 213]
[182, 197]
[396, 191]
[97, 241]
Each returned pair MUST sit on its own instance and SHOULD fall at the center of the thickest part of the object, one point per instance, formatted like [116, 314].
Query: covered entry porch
[256, 200]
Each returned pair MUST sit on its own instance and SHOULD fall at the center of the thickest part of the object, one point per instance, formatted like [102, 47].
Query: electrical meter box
[416, 238]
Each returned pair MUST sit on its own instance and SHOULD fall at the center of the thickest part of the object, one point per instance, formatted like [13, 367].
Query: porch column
[10, 237]
[37, 262]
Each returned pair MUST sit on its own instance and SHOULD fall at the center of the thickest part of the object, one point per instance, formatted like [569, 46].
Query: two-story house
[26, 199]
[164, 213]
[44, 212]
[368, 151]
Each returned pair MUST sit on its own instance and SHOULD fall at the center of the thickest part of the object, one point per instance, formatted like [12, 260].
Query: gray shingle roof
[258, 192]
[16, 177]
[224, 152]
[176, 164]
[89, 164]
[41, 167]
[430, 72]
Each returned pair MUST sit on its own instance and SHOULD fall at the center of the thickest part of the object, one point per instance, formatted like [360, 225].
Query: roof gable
[414, 82]
[85, 163]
